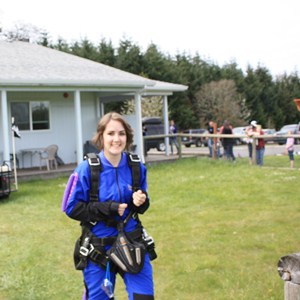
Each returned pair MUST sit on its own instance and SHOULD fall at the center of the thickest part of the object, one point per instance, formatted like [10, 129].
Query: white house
[58, 98]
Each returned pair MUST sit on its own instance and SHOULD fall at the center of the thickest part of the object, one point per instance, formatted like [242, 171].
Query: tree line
[214, 92]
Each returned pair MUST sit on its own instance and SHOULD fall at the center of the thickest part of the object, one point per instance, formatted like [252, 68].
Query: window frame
[30, 112]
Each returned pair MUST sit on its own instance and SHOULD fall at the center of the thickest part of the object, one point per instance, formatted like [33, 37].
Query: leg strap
[142, 297]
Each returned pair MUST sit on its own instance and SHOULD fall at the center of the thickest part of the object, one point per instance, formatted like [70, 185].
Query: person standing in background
[173, 139]
[289, 148]
[228, 142]
[210, 142]
[249, 141]
[260, 143]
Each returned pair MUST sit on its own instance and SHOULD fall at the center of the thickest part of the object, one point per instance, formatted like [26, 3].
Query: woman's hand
[121, 209]
[139, 198]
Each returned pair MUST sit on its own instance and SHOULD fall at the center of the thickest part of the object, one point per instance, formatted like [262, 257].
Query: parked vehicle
[192, 140]
[271, 134]
[294, 128]
[239, 131]
[153, 126]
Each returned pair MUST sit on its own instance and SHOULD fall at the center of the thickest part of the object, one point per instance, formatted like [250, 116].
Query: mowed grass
[219, 228]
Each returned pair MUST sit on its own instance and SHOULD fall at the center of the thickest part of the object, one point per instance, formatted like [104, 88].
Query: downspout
[139, 130]
[166, 123]
[101, 109]
[5, 128]
[79, 143]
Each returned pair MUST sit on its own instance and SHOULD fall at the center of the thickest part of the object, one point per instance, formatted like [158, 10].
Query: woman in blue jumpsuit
[116, 197]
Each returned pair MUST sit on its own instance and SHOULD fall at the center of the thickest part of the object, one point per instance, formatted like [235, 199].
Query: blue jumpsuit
[115, 187]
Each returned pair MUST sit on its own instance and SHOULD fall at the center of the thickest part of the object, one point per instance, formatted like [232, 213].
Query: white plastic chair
[48, 155]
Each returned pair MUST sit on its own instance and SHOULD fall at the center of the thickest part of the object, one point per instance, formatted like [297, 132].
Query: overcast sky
[265, 32]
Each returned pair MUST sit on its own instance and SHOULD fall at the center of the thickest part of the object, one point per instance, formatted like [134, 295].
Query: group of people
[252, 130]
[227, 143]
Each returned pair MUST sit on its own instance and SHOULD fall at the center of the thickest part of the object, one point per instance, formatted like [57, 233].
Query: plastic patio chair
[48, 155]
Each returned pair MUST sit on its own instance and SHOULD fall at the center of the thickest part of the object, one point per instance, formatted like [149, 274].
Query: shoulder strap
[134, 162]
[95, 168]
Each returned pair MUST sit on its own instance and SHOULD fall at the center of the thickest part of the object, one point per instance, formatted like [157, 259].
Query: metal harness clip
[86, 248]
[134, 157]
[94, 162]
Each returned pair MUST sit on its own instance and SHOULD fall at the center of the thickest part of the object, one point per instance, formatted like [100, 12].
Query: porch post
[139, 130]
[5, 127]
[166, 122]
[79, 142]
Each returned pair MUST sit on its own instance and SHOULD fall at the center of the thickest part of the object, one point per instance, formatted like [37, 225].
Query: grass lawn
[219, 228]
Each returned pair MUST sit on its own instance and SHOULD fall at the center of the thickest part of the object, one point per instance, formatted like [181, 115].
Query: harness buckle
[93, 161]
[85, 251]
[134, 157]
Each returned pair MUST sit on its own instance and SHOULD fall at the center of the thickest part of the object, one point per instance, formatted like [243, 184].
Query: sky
[248, 32]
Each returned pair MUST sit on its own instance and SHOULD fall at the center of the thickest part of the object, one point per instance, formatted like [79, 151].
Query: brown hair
[98, 137]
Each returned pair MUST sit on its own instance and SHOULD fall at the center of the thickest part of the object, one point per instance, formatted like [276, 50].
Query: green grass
[219, 228]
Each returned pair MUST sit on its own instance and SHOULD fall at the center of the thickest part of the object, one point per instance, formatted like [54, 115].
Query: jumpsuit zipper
[117, 181]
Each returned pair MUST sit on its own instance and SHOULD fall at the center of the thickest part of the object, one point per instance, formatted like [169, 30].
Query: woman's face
[114, 138]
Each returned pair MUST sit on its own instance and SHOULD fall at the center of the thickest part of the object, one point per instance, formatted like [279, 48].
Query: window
[33, 115]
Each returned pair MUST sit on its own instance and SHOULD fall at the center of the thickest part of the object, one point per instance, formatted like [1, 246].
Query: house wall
[62, 125]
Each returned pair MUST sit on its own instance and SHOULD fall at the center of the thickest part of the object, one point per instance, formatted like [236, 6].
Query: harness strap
[102, 242]
[134, 162]
[95, 169]
[95, 249]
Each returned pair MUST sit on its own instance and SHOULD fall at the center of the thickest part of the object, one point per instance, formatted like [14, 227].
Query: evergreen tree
[129, 57]
[106, 53]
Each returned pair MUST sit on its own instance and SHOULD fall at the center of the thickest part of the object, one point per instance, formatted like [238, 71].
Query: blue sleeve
[76, 203]
[77, 189]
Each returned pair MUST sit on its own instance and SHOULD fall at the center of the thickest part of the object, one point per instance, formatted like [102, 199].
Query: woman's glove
[140, 201]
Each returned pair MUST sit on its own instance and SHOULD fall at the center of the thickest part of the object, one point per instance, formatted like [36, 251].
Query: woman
[249, 139]
[114, 136]
[289, 147]
[228, 142]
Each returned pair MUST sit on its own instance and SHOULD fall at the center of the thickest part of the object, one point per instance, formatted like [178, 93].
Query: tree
[287, 88]
[85, 49]
[219, 101]
[106, 53]
[23, 32]
[259, 94]
[129, 57]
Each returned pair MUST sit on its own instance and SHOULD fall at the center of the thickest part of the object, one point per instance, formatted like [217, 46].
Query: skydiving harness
[128, 249]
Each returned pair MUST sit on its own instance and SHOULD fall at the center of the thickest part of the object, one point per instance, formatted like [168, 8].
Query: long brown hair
[98, 137]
